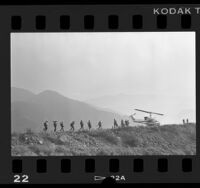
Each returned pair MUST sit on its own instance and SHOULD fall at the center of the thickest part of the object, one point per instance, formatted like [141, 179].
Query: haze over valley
[29, 111]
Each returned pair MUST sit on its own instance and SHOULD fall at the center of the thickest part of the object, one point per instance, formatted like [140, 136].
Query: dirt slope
[164, 140]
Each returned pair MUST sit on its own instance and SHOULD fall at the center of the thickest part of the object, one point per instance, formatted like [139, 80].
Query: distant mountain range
[29, 110]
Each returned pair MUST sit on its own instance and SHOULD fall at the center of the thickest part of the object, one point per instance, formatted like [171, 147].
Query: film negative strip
[99, 93]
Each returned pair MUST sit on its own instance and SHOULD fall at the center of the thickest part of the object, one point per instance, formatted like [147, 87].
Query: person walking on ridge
[72, 126]
[55, 125]
[62, 126]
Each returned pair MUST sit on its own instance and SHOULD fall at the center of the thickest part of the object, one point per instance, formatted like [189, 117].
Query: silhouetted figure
[99, 125]
[127, 123]
[82, 125]
[122, 123]
[61, 126]
[45, 126]
[89, 125]
[72, 126]
[183, 121]
[55, 125]
[115, 124]
[187, 121]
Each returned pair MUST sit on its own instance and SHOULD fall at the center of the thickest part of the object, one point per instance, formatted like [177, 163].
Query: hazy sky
[89, 65]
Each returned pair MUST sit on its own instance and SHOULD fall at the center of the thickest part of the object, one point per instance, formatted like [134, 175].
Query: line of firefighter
[72, 128]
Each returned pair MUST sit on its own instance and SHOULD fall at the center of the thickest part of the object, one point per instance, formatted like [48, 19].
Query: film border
[151, 169]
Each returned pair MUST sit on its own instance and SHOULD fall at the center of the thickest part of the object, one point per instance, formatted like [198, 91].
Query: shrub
[22, 137]
[43, 149]
[101, 153]
[29, 131]
[106, 135]
[110, 137]
[53, 139]
[60, 149]
[129, 140]
[153, 151]
[21, 150]
[105, 151]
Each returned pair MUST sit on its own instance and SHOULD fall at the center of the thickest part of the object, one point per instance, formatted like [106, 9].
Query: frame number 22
[21, 178]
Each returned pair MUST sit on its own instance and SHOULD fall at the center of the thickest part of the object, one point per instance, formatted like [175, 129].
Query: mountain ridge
[163, 140]
[20, 94]
[50, 105]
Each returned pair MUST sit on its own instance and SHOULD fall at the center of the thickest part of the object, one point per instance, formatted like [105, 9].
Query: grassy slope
[164, 140]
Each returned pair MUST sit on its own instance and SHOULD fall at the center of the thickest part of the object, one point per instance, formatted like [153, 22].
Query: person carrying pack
[82, 125]
[99, 125]
[89, 125]
[72, 126]
[61, 126]
[45, 126]
[55, 125]
[115, 124]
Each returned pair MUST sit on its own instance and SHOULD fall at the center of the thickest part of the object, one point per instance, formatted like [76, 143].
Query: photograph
[103, 93]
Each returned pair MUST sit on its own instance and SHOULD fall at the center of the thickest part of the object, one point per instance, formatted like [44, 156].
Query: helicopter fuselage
[149, 121]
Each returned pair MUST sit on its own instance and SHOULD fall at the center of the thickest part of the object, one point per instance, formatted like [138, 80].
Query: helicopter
[149, 121]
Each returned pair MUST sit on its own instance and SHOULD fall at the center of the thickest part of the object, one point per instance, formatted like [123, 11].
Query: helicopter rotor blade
[149, 112]
[157, 113]
[142, 111]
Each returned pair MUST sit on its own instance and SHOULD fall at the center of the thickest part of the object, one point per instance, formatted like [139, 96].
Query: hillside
[163, 140]
[33, 110]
